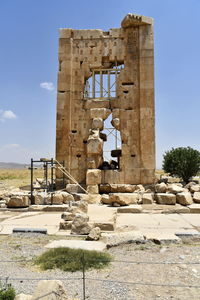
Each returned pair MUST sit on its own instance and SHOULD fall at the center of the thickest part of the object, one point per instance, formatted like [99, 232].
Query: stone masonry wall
[79, 141]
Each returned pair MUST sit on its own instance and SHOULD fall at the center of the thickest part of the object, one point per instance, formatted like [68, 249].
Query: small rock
[94, 234]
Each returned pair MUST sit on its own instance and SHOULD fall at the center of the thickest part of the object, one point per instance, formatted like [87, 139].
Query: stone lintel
[132, 20]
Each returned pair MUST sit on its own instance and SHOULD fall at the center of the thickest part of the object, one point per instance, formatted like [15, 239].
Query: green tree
[183, 162]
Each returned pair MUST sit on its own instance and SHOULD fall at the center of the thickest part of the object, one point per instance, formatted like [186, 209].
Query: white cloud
[7, 114]
[47, 86]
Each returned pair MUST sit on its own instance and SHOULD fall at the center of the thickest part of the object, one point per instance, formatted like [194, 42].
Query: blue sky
[28, 58]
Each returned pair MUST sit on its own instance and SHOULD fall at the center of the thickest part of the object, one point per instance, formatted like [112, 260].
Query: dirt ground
[144, 271]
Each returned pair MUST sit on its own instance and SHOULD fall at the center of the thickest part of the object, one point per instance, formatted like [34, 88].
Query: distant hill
[11, 165]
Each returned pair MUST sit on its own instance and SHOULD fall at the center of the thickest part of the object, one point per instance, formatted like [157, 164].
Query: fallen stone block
[196, 197]
[94, 234]
[147, 198]
[67, 197]
[184, 198]
[163, 198]
[105, 199]
[161, 187]
[18, 201]
[124, 198]
[57, 198]
[105, 226]
[80, 224]
[195, 188]
[119, 238]
[50, 290]
[65, 225]
[174, 189]
[72, 188]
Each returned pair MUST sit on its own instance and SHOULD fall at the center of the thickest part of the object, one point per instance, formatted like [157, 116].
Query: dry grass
[18, 177]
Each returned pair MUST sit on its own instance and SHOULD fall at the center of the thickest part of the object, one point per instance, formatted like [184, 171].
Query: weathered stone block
[162, 198]
[93, 189]
[184, 198]
[18, 201]
[196, 197]
[95, 146]
[147, 198]
[161, 187]
[50, 290]
[124, 198]
[101, 113]
[97, 123]
[93, 177]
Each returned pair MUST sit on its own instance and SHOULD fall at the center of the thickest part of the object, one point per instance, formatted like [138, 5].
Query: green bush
[183, 162]
[72, 260]
[7, 293]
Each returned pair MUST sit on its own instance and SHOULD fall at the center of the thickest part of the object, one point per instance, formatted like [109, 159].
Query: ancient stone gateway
[107, 74]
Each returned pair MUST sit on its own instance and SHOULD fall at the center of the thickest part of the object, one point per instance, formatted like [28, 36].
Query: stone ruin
[107, 74]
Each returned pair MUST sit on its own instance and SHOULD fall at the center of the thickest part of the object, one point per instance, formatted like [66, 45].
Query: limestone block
[196, 197]
[119, 238]
[124, 198]
[101, 113]
[97, 123]
[194, 208]
[93, 189]
[105, 199]
[57, 198]
[18, 201]
[94, 198]
[147, 198]
[94, 103]
[67, 197]
[65, 33]
[94, 234]
[161, 187]
[67, 216]
[42, 198]
[174, 189]
[65, 225]
[184, 198]
[122, 188]
[105, 226]
[93, 177]
[95, 146]
[195, 188]
[80, 224]
[72, 188]
[163, 198]
[105, 188]
[78, 207]
[50, 290]
[116, 123]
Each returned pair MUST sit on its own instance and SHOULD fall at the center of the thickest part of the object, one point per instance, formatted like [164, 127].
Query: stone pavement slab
[78, 244]
[49, 221]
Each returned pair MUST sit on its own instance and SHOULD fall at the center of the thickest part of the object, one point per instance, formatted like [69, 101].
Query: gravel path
[109, 283]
